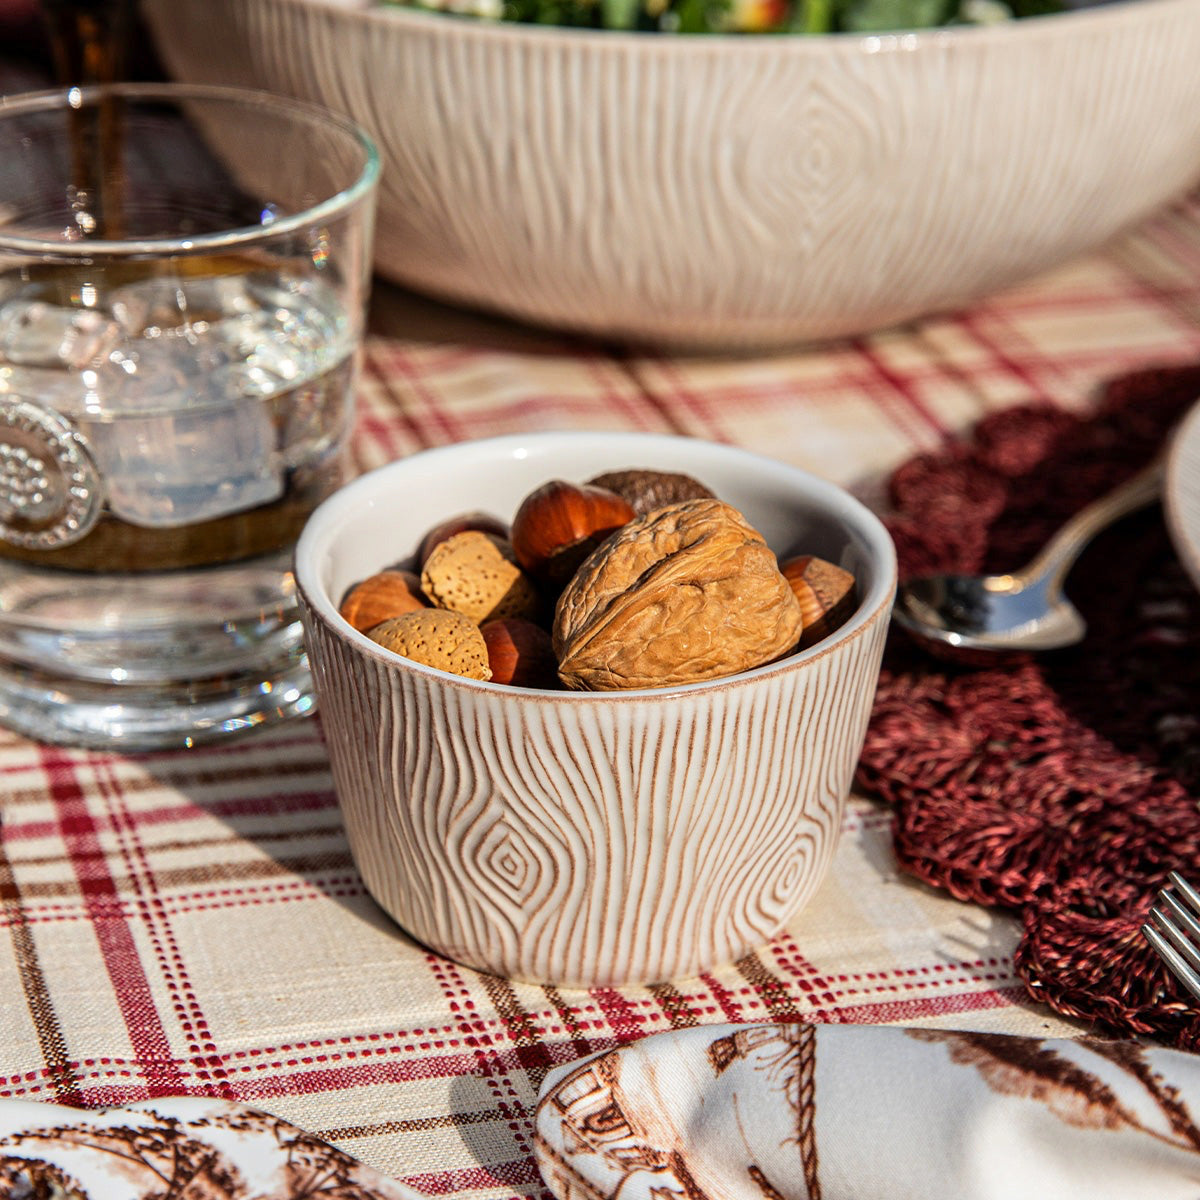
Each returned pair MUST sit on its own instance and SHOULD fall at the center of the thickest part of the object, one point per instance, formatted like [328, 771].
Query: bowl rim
[321, 527]
[903, 41]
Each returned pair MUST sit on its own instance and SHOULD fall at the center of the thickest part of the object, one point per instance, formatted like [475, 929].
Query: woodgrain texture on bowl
[748, 191]
[591, 839]
[593, 844]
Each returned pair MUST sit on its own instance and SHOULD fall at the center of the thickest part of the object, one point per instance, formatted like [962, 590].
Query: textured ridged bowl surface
[743, 191]
[576, 838]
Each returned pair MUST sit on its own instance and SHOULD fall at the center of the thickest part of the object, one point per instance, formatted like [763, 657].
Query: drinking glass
[183, 280]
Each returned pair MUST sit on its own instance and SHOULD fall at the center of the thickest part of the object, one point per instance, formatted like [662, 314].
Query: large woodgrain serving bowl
[721, 190]
[594, 838]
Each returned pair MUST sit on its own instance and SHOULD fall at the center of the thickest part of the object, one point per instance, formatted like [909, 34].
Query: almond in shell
[475, 573]
[436, 637]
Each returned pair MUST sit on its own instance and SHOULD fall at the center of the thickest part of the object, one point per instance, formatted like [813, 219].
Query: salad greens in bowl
[748, 16]
[727, 189]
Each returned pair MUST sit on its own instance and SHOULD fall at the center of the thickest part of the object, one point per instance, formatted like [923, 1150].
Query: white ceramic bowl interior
[743, 191]
[590, 838]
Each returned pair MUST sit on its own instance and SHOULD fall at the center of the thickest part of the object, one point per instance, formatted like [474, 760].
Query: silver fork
[1174, 931]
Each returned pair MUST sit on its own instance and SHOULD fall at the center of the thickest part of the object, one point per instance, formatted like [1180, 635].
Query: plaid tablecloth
[192, 922]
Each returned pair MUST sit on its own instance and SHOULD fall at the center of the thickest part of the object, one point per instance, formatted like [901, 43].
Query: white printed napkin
[852, 1112]
[176, 1148]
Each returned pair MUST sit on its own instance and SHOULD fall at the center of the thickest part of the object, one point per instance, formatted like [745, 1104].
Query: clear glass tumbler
[183, 282]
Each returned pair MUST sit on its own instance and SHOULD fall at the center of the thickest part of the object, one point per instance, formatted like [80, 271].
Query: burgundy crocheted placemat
[1063, 785]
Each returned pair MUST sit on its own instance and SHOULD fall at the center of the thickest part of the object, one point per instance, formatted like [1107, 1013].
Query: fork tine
[1173, 930]
[1183, 916]
[1185, 889]
[1179, 966]
[1161, 919]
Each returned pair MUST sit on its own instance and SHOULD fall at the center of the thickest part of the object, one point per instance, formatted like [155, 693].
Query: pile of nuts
[634, 579]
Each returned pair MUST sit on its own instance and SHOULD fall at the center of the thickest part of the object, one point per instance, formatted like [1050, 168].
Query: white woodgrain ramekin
[578, 838]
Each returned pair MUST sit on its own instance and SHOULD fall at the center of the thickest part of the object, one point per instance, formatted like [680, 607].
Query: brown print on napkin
[619, 1135]
[902, 1112]
[186, 1148]
[1030, 1069]
[1064, 785]
[597, 1122]
[791, 1070]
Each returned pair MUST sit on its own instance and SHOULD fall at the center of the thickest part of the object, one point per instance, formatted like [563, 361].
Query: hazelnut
[647, 490]
[475, 573]
[826, 594]
[484, 522]
[438, 638]
[520, 653]
[385, 594]
[559, 524]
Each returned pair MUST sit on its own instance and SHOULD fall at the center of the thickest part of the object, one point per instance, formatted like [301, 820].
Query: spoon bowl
[995, 612]
[1027, 609]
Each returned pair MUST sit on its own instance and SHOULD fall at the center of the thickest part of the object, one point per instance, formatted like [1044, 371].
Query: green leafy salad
[748, 16]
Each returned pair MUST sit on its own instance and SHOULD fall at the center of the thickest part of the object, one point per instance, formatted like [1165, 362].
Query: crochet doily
[1062, 785]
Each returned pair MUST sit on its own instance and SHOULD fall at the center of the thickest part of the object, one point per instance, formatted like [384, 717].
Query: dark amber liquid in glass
[88, 40]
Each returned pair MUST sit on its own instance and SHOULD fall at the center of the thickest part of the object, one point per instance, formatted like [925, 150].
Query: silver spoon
[1025, 610]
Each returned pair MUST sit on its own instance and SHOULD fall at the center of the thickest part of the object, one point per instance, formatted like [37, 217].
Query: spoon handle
[1058, 555]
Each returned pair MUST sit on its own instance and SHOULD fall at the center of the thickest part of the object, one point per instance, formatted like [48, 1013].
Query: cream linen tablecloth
[192, 922]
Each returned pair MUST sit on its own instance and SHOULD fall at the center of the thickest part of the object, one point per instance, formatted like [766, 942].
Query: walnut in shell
[686, 593]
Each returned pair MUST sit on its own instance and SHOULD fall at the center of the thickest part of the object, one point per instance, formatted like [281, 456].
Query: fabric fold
[175, 1148]
[851, 1112]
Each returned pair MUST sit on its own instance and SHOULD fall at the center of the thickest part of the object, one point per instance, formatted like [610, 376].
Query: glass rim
[74, 97]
